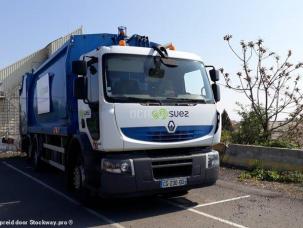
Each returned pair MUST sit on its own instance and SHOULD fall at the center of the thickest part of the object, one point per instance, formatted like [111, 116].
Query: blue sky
[194, 25]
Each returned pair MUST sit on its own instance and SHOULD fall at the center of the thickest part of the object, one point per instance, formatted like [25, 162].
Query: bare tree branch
[273, 91]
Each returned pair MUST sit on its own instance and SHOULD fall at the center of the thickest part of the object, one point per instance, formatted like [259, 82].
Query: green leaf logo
[161, 114]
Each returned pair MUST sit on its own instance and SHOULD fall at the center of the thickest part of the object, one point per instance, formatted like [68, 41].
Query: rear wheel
[30, 151]
[35, 153]
[25, 144]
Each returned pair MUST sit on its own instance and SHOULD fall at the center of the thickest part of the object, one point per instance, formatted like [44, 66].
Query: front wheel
[78, 183]
[78, 175]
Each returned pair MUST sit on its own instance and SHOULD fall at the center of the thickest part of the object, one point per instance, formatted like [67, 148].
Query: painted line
[7, 203]
[222, 201]
[102, 217]
[206, 215]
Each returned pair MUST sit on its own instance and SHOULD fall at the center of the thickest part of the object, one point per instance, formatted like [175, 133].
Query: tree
[249, 129]
[226, 122]
[270, 84]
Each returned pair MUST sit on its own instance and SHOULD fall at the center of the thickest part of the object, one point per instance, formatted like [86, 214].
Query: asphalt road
[35, 199]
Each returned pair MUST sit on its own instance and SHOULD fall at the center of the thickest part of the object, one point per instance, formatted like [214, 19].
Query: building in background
[10, 78]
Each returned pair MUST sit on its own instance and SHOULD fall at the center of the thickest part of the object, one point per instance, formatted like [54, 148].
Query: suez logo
[163, 114]
[158, 114]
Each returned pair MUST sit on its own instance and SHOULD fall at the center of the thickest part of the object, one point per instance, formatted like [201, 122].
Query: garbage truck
[122, 116]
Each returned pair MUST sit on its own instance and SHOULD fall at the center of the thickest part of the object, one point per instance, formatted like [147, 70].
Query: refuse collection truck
[123, 116]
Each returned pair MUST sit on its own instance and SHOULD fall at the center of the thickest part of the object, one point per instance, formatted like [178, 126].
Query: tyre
[30, 151]
[35, 153]
[78, 183]
[25, 144]
[210, 182]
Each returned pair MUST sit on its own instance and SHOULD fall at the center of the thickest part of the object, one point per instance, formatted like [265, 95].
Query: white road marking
[6, 203]
[206, 215]
[102, 217]
[221, 201]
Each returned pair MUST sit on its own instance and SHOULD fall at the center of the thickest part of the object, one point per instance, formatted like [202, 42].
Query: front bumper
[150, 170]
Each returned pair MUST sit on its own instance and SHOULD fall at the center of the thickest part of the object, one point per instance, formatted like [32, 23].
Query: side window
[93, 97]
[93, 83]
[194, 83]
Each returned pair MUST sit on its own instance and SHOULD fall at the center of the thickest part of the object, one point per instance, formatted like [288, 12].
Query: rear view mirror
[214, 75]
[156, 73]
[216, 92]
[80, 88]
[79, 67]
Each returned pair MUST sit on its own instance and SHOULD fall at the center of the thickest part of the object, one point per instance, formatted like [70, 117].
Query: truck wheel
[78, 179]
[36, 154]
[78, 175]
[210, 182]
[25, 145]
[30, 152]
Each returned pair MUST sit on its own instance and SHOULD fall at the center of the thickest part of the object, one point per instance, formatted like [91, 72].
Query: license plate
[173, 182]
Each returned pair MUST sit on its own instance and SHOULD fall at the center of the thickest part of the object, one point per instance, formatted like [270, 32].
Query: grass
[272, 175]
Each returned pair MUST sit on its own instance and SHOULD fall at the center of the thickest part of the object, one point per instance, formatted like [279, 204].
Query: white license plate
[173, 182]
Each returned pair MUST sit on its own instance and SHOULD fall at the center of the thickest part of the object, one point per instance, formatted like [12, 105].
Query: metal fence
[9, 116]
[10, 78]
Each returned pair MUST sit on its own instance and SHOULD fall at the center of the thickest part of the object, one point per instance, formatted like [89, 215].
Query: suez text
[178, 114]
[157, 114]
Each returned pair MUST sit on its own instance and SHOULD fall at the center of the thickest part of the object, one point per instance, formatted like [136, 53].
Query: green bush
[273, 175]
[250, 130]
[226, 137]
[280, 143]
[244, 175]
[239, 138]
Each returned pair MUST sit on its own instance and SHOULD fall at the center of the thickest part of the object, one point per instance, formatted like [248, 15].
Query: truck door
[93, 99]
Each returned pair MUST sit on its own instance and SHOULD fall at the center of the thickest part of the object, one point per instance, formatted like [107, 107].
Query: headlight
[118, 166]
[213, 159]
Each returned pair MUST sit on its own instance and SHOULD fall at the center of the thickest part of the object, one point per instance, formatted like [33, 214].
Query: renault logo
[171, 127]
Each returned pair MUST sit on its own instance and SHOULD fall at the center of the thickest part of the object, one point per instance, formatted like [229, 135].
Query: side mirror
[214, 75]
[80, 88]
[79, 67]
[216, 92]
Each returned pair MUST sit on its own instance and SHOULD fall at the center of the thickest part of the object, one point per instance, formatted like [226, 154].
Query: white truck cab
[154, 123]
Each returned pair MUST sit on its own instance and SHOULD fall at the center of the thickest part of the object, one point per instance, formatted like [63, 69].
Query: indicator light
[122, 43]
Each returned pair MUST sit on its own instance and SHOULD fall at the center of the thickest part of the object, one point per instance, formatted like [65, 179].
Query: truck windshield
[138, 78]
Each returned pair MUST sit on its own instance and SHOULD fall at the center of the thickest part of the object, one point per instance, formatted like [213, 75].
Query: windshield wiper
[190, 100]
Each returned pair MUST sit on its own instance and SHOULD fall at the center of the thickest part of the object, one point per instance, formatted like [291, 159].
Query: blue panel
[63, 113]
[160, 134]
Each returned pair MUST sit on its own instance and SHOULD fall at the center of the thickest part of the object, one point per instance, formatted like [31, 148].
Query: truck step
[55, 164]
[54, 148]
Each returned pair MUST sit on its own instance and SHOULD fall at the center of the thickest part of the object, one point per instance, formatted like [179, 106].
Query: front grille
[160, 134]
[172, 168]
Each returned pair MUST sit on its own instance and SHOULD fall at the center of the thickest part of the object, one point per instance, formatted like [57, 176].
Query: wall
[248, 156]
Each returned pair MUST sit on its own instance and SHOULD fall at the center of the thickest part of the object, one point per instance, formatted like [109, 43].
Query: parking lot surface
[39, 199]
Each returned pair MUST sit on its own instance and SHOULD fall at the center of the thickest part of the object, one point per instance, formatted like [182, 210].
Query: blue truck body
[63, 115]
